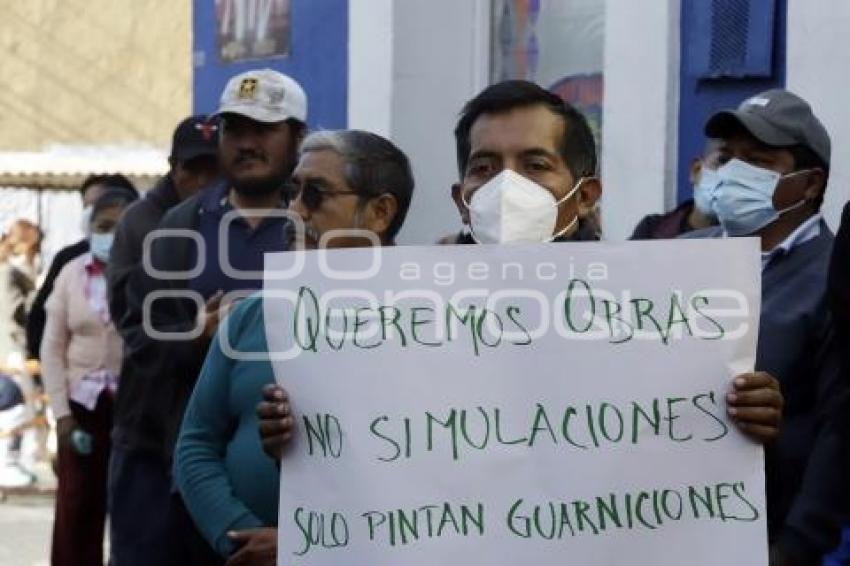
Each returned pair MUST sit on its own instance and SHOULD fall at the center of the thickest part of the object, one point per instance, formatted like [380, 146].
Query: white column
[370, 65]
[412, 66]
[641, 106]
[441, 60]
[818, 69]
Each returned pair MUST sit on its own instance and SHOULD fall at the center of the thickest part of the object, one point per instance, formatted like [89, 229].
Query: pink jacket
[76, 340]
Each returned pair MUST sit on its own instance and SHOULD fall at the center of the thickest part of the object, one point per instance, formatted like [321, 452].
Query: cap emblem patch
[248, 89]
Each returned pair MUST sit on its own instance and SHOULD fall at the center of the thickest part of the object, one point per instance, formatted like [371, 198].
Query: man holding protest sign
[528, 166]
[532, 154]
[350, 189]
[528, 170]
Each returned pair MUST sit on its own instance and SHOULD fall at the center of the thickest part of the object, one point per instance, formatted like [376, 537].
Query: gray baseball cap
[775, 117]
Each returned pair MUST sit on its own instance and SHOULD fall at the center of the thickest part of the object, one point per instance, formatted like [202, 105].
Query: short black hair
[577, 148]
[113, 196]
[298, 128]
[114, 180]
[373, 166]
[806, 158]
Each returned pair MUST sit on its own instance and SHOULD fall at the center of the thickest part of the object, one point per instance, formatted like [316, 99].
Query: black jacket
[38, 315]
[137, 221]
[806, 468]
[839, 280]
[163, 354]
[665, 226]
[157, 376]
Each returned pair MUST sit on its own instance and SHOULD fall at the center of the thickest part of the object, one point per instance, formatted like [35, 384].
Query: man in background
[773, 167]
[263, 119]
[695, 213]
[193, 165]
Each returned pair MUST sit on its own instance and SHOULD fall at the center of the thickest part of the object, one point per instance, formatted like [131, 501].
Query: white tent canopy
[66, 166]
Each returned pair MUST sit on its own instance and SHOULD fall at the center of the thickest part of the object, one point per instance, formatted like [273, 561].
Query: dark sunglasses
[312, 195]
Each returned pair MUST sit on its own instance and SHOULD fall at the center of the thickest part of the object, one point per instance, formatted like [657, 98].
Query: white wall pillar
[441, 61]
[641, 107]
[370, 65]
[818, 69]
[412, 66]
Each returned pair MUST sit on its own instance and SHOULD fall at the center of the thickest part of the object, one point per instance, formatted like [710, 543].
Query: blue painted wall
[699, 98]
[318, 59]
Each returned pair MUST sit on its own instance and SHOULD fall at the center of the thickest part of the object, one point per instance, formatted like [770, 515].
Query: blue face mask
[101, 244]
[743, 199]
[704, 191]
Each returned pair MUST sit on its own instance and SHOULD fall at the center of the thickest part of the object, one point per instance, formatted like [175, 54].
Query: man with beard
[209, 245]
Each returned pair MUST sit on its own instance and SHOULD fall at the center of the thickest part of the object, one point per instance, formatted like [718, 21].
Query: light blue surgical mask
[101, 244]
[743, 199]
[704, 191]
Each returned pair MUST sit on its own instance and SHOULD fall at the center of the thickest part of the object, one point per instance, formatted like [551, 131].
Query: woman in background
[81, 359]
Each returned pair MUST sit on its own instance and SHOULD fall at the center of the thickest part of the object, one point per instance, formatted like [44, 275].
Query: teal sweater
[225, 478]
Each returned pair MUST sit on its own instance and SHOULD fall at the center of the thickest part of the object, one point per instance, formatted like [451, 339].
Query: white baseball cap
[264, 95]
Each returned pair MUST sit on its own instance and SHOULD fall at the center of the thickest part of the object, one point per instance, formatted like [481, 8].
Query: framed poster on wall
[252, 29]
[558, 44]
[306, 39]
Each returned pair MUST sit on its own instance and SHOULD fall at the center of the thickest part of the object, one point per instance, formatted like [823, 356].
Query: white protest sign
[548, 403]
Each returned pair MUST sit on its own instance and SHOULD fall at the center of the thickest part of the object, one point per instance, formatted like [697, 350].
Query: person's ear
[299, 137]
[588, 195]
[380, 213]
[461, 207]
[815, 184]
[297, 133]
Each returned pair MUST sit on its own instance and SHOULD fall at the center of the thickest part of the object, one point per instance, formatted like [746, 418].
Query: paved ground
[26, 521]
[25, 525]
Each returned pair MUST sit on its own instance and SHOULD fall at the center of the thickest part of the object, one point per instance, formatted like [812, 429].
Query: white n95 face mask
[511, 208]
